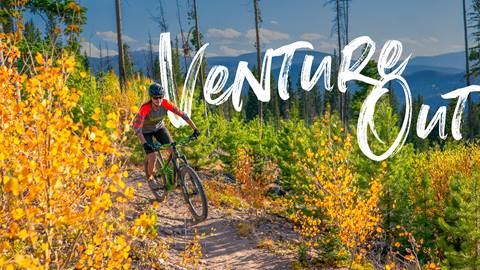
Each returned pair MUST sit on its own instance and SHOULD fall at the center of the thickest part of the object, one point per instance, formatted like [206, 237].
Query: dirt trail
[266, 243]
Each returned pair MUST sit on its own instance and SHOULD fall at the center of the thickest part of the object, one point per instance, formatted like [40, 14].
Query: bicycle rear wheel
[158, 183]
[193, 192]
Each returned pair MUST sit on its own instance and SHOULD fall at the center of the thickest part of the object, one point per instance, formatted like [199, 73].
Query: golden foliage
[223, 194]
[193, 251]
[59, 180]
[440, 167]
[329, 201]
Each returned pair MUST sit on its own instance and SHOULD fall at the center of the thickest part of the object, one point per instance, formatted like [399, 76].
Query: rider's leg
[150, 154]
[164, 137]
[151, 163]
[169, 151]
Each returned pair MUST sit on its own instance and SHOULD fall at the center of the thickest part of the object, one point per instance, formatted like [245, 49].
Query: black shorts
[162, 135]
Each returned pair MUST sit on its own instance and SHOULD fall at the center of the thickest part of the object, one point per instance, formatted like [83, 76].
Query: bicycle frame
[174, 156]
[183, 175]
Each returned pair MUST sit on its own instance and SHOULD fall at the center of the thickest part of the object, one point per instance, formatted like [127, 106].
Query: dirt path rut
[230, 239]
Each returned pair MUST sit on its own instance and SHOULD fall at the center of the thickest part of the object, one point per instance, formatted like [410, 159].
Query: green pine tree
[461, 224]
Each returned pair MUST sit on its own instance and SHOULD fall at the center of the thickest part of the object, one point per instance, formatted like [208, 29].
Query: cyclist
[148, 122]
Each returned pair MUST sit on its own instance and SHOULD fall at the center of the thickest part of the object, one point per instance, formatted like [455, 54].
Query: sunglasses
[157, 97]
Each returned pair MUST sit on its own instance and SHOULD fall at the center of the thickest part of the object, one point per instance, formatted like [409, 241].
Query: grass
[224, 195]
[244, 229]
[267, 244]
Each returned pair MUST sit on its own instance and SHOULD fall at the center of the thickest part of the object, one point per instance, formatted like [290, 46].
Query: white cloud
[431, 40]
[273, 22]
[428, 41]
[425, 46]
[410, 41]
[210, 54]
[92, 51]
[227, 51]
[457, 47]
[266, 35]
[311, 36]
[228, 33]
[112, 36]
[225, 42]
[327, 46]
[147, 48]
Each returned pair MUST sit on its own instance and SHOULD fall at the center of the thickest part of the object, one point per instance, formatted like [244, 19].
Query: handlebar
[157, 146]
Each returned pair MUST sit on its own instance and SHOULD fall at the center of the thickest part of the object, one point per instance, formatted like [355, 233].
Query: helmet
[156, 90]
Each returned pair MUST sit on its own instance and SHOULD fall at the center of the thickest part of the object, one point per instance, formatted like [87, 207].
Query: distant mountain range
[428, 76]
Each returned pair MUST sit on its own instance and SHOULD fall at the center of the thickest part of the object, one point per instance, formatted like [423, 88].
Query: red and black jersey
[150, 120]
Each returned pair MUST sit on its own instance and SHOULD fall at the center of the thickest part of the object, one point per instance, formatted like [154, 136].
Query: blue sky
[426, 27]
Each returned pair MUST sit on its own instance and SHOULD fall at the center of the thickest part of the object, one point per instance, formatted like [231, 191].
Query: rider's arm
[140, 136]
[138, 122]
[171, 107]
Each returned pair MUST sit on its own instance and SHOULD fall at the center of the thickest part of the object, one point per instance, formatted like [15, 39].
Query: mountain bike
[173, 172]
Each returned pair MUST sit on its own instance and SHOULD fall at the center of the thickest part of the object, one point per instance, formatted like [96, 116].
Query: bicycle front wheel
[194, 194]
